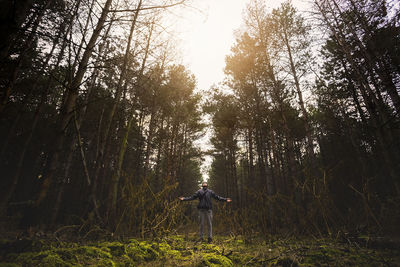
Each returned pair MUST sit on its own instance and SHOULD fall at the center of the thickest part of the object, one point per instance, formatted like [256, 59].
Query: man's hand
[181, 198]
[228, 200]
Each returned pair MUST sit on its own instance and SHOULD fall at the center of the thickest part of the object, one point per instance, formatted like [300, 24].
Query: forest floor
[178, 250]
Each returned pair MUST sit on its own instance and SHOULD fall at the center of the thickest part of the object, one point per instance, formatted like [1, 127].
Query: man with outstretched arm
[205, 207]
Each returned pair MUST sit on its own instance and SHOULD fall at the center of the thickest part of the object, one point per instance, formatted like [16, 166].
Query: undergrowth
[177, 250]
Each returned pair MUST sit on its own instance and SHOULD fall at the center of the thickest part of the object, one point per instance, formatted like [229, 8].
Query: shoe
[209, 240]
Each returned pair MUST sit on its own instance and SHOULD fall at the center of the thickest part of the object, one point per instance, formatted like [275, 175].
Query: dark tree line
[97, 121]
[308, 141]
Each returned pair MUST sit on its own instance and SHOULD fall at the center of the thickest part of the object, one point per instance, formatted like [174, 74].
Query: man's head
[204, 184]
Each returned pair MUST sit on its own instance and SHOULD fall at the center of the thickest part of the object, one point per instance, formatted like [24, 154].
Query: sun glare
[207, 34]
[207, 37]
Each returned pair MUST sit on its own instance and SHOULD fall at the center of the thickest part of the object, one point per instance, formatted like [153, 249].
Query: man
[205, 207]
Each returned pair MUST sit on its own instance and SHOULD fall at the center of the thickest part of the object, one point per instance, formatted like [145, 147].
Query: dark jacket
[204, 196]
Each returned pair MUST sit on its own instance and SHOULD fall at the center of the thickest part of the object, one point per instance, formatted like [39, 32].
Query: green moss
[135, 253]
[186, 253]
[133, 241]
[239, 242]
[23, 245]
[163, 247]
[177, 238]
[240, 258]
[211, 248]
[327, 254]
[67, 255]
[360, 259]
[115, 248]
[176, 241]
[45, 258]
[286, 261]
[125, 261]
[175, 251]
[53, 260]
[84, 255]
[166, 250]
[317, 257]
[8, 264]
[141, 251]
[92, 252]
[104, 262]
[212, 259]
[176, 254]
[151, 253]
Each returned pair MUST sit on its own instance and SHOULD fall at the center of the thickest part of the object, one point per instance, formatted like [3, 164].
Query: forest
[100, 125]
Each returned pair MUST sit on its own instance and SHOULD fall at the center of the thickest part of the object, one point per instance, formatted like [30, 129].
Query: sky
[206, 37]
[209, 37]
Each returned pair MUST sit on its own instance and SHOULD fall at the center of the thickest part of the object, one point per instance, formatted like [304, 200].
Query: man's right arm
[195, 195]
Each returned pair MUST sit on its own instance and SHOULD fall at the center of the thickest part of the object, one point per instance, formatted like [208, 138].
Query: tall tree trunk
[119, 87]
[118, 92]
[159, 153]
[251, 158]
[70, 104]
[117, 174]
[150, 138]
[310, 146]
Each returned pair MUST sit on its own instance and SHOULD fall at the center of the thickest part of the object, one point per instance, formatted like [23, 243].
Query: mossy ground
[180, 251]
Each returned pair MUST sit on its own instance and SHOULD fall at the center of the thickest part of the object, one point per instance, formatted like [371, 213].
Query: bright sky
[207, 35]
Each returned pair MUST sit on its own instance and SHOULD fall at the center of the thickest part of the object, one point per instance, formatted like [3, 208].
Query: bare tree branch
[148, 8]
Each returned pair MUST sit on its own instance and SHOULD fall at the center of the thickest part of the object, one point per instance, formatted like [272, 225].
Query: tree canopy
[100, 122]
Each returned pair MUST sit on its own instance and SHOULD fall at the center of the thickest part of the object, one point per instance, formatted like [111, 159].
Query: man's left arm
[219, 197]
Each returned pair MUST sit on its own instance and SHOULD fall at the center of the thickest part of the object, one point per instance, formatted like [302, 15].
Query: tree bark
[70, 104]
[310, 146]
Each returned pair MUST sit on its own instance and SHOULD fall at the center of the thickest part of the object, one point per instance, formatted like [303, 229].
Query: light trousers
[205, 216]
